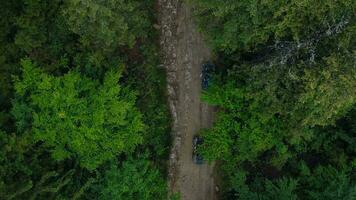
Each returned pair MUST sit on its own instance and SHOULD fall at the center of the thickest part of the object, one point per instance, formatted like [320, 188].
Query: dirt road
[183, 52]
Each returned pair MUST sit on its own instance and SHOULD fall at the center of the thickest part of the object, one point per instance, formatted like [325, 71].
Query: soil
[183, 53]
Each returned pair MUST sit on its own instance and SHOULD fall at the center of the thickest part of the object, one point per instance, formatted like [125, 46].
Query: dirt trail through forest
[183, 52]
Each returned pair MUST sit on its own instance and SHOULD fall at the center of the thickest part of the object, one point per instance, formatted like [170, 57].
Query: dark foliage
[73, 108]
[286, 97]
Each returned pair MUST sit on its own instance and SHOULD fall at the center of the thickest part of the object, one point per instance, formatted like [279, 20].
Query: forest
[285, 91]
[84, 113]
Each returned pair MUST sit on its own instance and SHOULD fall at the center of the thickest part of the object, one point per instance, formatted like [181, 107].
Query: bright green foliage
[135, 179]
[241, 131]
[238, 26]
[107, 24]
[78, 117]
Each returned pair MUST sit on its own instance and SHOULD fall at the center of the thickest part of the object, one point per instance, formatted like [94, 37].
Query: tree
[284, 95]
[242, 132]
[245, 26]
[77, 117]
[9, 55]
[329, 91]
[70, 111]
[330, 183]
[135, 179]
[107, 24]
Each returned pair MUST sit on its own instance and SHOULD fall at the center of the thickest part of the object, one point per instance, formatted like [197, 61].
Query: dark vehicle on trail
[208, 69]
[197, 157]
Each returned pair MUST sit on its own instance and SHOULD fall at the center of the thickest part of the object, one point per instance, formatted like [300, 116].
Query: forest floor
[183, 52]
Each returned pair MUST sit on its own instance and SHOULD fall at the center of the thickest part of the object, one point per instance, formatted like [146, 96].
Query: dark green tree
[135, 179]
[245, 26]
[285, 96]
[107, 24]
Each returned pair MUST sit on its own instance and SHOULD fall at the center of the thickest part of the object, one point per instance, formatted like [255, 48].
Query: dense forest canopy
[286, 94]
[75, 122]
[83, 111]
[99, 120]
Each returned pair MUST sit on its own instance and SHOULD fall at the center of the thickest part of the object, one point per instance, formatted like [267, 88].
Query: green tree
[107, 24]
[37, 175]
[284, 96]
[44, 36]
[77, 117]
[71, 112]
[245, 26]
[320, 183]
[327, 182]
[329, 91]
[242, 132]
[9, 55]
[135, 179]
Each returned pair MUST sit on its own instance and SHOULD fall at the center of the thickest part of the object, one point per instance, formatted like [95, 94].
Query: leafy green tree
[44, 36]
[37, 175]
[285, 96]
[329, 183]
[320, 183]
[270, 108]
[245, 26]
[263, 189]
[242, 132]
[72, 103]
[135, 179]
[77, 117]
[282, 189]
[107, 24]
[33, 24]
[260, 126]
[329, 91]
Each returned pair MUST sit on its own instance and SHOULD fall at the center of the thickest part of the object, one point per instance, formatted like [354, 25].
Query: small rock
[156, 26]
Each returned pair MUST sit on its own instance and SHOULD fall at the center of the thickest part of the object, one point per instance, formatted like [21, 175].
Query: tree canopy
[107, 24]
[134, 180]
[76, 116]
[80, 92]
[286, 97]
